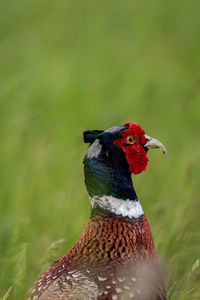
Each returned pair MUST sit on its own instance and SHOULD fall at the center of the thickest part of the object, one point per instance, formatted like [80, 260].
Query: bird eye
[130, 139]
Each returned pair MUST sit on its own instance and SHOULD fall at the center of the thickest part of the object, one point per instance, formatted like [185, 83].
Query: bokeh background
[69, 66]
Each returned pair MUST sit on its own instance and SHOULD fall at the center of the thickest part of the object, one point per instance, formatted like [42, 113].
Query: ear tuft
[90, 136]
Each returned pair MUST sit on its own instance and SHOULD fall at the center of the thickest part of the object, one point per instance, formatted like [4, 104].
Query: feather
[90, 136]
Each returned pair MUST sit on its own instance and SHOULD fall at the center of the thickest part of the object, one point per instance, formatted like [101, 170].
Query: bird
[114, 257]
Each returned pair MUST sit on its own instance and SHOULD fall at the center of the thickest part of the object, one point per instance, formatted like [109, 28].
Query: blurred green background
[69, 66]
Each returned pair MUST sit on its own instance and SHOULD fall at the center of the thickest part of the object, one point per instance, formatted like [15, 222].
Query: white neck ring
[125, 208]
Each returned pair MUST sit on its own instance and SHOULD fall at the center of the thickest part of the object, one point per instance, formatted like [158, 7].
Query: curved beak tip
[152, 143]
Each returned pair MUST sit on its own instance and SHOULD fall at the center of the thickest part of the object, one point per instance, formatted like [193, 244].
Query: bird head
[128, 139]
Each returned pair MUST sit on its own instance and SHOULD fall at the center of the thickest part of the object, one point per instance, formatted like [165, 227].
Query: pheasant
[114, 257]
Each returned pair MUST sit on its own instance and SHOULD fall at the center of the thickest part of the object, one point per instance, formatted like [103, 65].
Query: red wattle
[135, 154]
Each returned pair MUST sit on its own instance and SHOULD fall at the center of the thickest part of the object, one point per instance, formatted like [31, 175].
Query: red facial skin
[114, 255]
[135, 153]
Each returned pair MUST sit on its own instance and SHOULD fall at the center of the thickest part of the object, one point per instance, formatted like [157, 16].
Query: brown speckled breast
[114, 258]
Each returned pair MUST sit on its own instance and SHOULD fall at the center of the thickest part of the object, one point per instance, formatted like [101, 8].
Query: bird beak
[152, 143]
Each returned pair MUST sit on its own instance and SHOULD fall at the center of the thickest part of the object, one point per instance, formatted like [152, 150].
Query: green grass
[68, 66]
